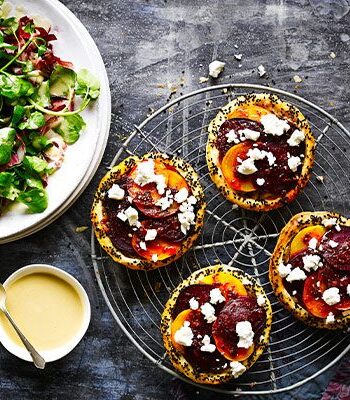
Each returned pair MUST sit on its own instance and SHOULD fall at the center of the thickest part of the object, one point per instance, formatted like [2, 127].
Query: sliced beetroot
[203, 361]
[337, 257]
[329, 277]
[119, 232]
[145, 197]
[312, 297]
[236, 125]
[243, 308]
[168, 228]
[279, 178]
[199, 291]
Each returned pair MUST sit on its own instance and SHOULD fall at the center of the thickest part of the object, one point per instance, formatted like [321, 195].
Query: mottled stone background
[146, 44]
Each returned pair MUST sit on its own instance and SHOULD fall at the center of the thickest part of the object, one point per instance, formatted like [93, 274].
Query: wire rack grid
[244, 239]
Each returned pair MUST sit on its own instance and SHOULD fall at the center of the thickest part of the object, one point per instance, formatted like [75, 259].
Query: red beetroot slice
[328, 278]
[278, 178]
[118, 231]
[337, 257]
[168, 228]
[203, 361]
[243, 308]
[145, 198]
[312, 298]
[200, 292]
[236, 125]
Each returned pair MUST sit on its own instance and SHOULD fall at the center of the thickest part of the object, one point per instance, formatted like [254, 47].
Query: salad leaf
[7, 186]
[7, 141]
[17, 114]
[13, 87]
[87, 84]
[35, 199]
[34, 182]
[43, 95]
[35, 164]
[70, 128]
[35, 121]
[62, 81]
[40, 142]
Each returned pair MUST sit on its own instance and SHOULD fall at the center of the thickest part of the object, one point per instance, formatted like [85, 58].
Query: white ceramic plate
[82, 158]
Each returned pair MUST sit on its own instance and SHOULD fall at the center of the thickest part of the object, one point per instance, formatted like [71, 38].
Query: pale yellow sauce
[46, 308]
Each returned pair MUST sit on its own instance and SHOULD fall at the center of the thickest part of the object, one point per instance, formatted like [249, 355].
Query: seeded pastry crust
[283, 110]
[98, 212]
[178, 360]
[281, 255]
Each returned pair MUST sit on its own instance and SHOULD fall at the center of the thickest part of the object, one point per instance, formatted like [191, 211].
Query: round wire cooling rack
[244, 239]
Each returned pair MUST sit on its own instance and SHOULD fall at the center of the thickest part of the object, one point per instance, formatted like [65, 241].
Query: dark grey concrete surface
[146, 44]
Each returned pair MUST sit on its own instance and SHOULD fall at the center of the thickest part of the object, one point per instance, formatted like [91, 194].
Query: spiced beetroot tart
[216, 324]
[260, 151]
[148, 211]
[310, 269]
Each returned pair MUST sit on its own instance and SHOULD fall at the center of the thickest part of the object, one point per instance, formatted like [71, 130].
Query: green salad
[41, 98]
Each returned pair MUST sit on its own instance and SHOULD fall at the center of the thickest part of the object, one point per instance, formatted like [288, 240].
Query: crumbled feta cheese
[232, 137]
[207, 346]
[246, 281]
[121, 215]
[186, 215]
[312, 262]
[261, 70]
[328, 222]
[245, 334]
[294, 162]
[249, 134]
[284, 270]
[116, 192]
[184, 335]
[247, 167]
[154, 257]
[166, 201]
[215, 68]
[257, 154]
[273, 125]
[313, 243]
[151, 234]
[331, 296]
[330, 318]
[238, 56]
[209, 312]
[145, 174]
[131, 215]
[294, 292]
[260, 181]
[296, 274]
[194, 305]
[181, 195]
[296, 138]
[348, 289]
[129, 199]
[260, 300]
[337, 228]
[216, 296]
[333, 244]
[237, 368]
[143, 246]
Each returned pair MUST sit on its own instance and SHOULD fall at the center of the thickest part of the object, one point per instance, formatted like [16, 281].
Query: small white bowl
[59, 352]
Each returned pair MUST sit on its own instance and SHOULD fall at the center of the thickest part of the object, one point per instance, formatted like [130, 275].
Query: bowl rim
[61, 351]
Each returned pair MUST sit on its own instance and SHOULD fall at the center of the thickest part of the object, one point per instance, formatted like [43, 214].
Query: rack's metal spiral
[231, 236]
